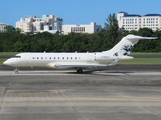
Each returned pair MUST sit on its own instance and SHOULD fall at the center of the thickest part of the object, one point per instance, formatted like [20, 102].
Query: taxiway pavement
[65, 95]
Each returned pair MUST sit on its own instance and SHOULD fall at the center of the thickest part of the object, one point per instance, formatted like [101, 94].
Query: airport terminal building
[135, 22]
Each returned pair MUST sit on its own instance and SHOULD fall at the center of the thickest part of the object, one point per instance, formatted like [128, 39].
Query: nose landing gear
[16, 70]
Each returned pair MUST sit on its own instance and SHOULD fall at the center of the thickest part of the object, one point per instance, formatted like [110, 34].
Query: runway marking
[77, 99]
[13, 97]
[127, 73]
[72, 73]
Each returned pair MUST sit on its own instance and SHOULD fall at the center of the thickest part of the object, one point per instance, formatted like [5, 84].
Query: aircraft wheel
[80, 71]
[16, 70]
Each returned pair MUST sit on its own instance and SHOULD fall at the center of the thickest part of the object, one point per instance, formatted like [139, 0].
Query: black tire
[80, 71]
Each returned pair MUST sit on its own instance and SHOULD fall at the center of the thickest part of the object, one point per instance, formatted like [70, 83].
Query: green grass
[133, 53]
[4, 54]
[2, 60]
[8, 53]
[143, 61]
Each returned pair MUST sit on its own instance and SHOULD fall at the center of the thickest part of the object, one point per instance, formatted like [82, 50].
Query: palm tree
[112, 23]
[112, 28]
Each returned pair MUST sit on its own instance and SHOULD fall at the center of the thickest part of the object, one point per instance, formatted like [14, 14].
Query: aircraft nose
[7, 62]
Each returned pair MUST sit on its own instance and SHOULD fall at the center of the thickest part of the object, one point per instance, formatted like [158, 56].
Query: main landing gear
[16, 70]
[80, 71]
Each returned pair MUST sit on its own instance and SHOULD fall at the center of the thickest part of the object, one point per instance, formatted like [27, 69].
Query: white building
[2, 25]
[34, 24]
[135, 22]
[90, 28]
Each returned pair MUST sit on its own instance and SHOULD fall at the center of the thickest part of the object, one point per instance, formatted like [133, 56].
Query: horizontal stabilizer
[126, 58]
[133, 37]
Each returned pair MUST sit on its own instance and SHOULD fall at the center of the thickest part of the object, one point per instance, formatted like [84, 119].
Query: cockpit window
[16, 57]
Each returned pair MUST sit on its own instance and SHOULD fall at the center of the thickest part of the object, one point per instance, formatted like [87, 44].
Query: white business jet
[78, 61]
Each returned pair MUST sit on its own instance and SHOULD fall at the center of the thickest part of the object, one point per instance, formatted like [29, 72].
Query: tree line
[12, 40]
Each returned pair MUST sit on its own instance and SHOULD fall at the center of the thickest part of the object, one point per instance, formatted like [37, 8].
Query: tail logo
[127, 49]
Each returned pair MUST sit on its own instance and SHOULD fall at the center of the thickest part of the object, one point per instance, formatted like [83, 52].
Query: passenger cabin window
[58, 57]
[62, 57]
[33, 58]
[37, 57]
[54, 57]
[49, 57]
[41, 57]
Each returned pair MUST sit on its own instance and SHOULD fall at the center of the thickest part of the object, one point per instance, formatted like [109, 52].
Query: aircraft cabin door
[95, 56]
[27, 61]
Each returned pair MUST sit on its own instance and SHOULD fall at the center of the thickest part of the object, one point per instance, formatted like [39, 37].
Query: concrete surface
[133, 94]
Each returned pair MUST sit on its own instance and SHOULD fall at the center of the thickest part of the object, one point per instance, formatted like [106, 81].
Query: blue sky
[74, 11]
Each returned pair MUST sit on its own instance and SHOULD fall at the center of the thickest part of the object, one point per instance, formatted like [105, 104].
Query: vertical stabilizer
[126, 45]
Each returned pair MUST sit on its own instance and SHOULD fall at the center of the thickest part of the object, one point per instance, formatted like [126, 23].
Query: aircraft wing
[114, 62]
[75, 65]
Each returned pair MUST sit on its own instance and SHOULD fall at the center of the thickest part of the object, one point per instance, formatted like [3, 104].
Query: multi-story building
[2, 25]
[135, 22]
[89, 28]
[34, 24]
